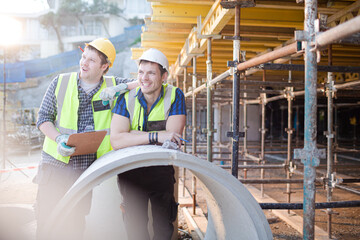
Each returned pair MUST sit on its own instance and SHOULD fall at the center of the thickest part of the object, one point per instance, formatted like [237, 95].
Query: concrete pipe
[233, 212]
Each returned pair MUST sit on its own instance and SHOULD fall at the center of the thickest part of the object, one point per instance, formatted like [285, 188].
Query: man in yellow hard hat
[72, 104]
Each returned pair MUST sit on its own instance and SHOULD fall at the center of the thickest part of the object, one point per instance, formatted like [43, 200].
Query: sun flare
[10, 30]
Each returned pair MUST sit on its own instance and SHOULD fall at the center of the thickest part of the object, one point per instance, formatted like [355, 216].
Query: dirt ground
[345, 221]
[16, 187]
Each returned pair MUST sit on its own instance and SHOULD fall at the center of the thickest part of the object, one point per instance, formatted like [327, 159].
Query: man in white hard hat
[72, 105]
[153, 113]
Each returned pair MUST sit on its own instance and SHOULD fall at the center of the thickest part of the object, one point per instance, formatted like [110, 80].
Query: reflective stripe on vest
[159, 113]
[67, 117]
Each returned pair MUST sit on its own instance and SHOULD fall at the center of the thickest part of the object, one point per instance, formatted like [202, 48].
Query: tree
[77, 9]
[52, 20]
[100, 7]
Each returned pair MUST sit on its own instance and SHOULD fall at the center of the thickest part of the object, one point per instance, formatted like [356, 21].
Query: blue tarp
[17, 72]
[45, 66]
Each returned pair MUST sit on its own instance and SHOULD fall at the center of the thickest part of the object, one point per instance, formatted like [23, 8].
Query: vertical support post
[219, 132]
[289, 160]
[310, 158]
[263, 131]
[209, 101]
[271, 126]
[281, 123]
[236, 95]
[330, 136]
[336, 127]
[297, 125]
[184, 132]
[4, 116]
[177, 81]
[194, 112]
[245, 127]
[184, 90]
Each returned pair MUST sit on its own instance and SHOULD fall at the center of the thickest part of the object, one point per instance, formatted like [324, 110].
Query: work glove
[170, 145]
[63, 149]
[110, 93]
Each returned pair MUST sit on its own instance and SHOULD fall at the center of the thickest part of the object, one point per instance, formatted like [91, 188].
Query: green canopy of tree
[76, 9]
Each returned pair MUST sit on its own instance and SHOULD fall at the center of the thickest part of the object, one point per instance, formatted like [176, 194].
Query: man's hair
[162, 70]
[104, 59]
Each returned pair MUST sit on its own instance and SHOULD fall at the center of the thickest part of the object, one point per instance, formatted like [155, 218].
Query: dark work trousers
[137, 187]
[53, 182]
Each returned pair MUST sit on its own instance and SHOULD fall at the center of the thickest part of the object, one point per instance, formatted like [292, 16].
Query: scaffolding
[283, 59]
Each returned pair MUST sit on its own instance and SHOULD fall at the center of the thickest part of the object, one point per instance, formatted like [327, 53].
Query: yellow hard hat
[106, 47]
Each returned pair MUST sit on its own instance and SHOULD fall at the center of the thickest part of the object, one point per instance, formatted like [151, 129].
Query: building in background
[39, 41]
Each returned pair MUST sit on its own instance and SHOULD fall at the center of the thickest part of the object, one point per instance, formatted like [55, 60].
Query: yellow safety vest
[67, 113]
[158, 115]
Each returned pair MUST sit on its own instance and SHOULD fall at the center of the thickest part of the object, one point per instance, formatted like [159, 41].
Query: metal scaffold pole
[209, 129]
[236, 93]
[330, 135]
[184, 132]
[194, 79]
[4, 115]
[310, 154]
[194, 111]
[263, 131]
[289, 130]
[245, 128]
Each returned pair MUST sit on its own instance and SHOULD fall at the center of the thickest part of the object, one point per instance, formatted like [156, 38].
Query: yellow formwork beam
[331, 21]
[196, 2]
[271, 14]
[163, 37]
[162, 45]
[268, 25]
[177, 28]
[136, 53]
[177, 13]
[292, 5]
[251, 42]
[215, 21]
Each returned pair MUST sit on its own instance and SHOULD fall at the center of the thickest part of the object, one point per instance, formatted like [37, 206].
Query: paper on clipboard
[86, 142]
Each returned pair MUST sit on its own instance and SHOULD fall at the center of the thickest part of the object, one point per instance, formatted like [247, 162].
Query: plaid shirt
[48, 112]
[178, 107]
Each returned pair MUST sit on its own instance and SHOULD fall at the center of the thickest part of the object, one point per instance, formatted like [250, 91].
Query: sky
[22, 6]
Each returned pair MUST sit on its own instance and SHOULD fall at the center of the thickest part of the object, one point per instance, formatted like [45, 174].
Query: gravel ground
[16, 187]
[345, 221]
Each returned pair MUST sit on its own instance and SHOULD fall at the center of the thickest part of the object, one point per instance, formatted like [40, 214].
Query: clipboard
[86, 142]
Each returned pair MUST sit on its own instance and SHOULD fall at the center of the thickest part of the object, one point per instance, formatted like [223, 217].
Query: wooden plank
[292, 219]
[351, 8]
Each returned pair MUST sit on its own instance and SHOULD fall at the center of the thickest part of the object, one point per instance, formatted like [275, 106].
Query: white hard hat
[156, 56]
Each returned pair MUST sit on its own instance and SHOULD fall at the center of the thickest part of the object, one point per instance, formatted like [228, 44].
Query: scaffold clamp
[237, 136]
[232, 63]
[314, 154]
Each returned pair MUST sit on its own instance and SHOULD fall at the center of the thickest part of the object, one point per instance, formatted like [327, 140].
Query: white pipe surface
[233, 212]
[339, 32]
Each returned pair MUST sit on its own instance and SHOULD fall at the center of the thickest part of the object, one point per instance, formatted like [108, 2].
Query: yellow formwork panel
[267, 26]
[136, 53]
[196, 2]
[215, 21]
[172, 19]
[163, 37]
[177, 13]
[179, 28]
[270, 23]
[272, 14]
[169, 46]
